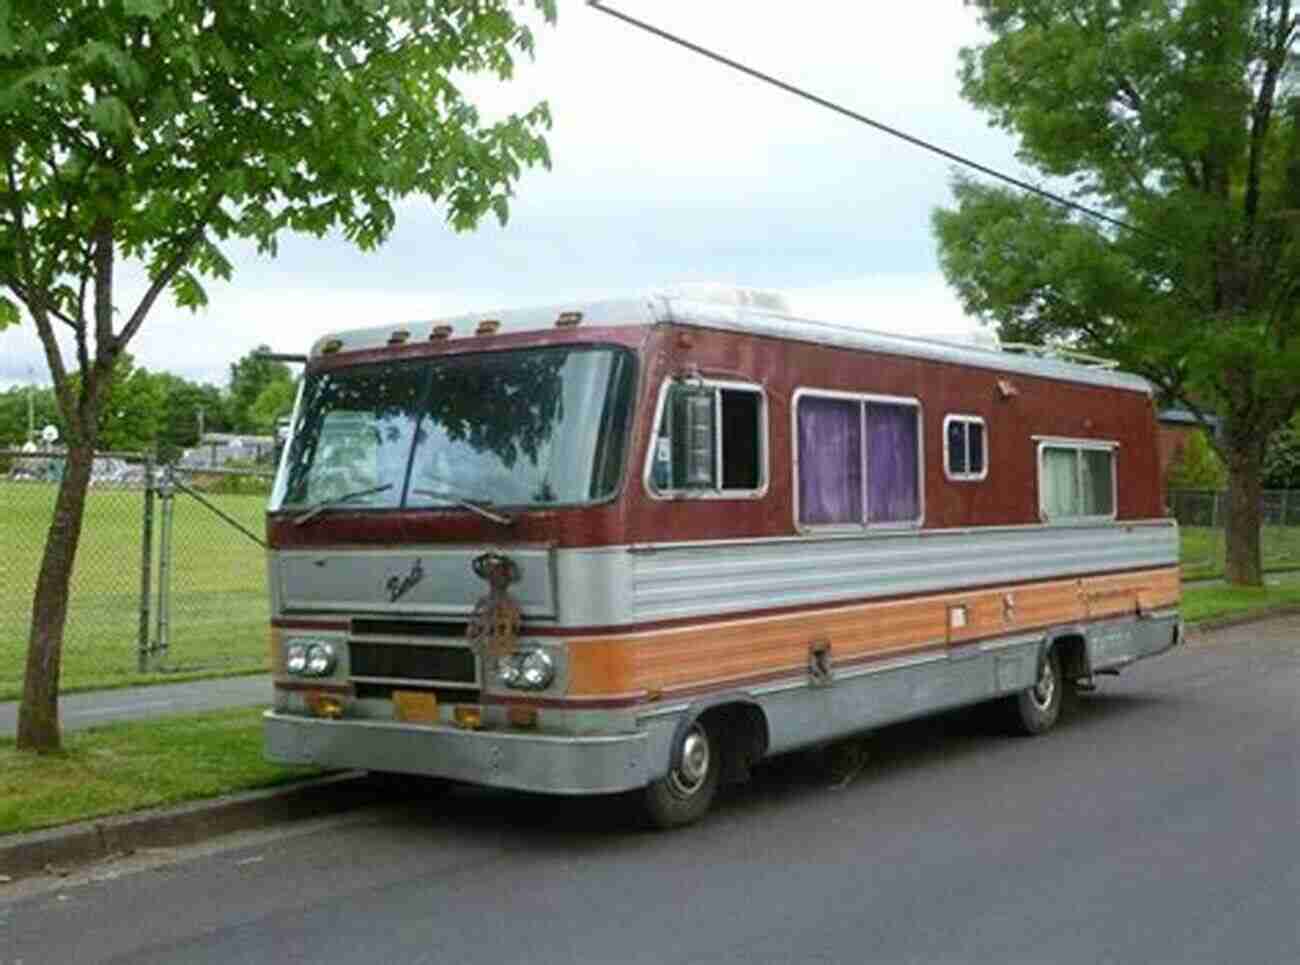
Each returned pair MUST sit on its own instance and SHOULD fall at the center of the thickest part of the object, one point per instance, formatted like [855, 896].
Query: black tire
[686, 793]
[1037, 708]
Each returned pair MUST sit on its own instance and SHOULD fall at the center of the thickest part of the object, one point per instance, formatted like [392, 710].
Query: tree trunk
[1244, 562]
[38, 717]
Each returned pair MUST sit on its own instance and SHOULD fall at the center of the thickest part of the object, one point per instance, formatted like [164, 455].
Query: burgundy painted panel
[1008, 496]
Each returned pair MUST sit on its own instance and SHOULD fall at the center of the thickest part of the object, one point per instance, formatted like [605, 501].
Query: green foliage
[13, 414]
[178, 427]
[274, 401]
[1196, 466]
[1183, 120]
[1282, 458]
[251, 376]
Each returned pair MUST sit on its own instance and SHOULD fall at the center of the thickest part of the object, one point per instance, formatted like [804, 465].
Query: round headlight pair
[526, 670]
[310, 658]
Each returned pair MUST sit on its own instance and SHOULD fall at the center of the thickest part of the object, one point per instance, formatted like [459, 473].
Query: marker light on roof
[332, 346]
[488, 326]
[568, 319]
[439, 333]
[399, 336]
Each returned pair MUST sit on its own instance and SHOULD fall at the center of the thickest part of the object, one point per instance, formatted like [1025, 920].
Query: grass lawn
[1202, 550]
[220, 609]
[126, 767]
[1206, 602]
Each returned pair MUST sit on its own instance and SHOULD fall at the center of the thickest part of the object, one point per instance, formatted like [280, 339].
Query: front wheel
[684, 795]
[1036, 708]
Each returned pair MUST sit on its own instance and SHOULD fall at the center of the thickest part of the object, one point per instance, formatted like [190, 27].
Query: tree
[183, 401]
[13, 414]
[1195, 466]
[1181, 120]
[155, 130]
[1282, 460]
[274, 401]
[249, 377]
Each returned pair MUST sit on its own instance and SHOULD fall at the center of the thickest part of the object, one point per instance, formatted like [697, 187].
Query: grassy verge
[1208, 602]
[126, 767]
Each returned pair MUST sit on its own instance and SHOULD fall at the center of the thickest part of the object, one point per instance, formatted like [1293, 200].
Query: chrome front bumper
[554, 764]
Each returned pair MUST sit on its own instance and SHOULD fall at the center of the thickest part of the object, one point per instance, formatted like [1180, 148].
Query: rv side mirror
[694, 422]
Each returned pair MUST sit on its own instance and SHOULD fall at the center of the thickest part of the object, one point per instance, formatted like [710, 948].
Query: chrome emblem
[398, 586]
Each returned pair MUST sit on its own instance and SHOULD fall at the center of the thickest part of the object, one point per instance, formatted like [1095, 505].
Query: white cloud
[667, 167]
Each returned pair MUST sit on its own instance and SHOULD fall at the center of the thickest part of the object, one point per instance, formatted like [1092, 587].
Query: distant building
[218, 449]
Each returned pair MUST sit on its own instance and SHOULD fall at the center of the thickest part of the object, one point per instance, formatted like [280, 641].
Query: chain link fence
[169, 578]
[1202, 516]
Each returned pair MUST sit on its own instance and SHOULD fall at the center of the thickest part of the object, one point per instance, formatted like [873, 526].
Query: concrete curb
[69, 845]
[1202, 627]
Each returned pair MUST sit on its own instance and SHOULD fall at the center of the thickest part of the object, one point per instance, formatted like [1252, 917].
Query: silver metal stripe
[990, 646]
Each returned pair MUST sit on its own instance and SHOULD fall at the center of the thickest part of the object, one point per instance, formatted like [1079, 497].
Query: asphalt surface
[77, 711]
[1157, 823]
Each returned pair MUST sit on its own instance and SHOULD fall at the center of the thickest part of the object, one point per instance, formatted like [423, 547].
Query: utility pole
[199, 410]
[31, 411]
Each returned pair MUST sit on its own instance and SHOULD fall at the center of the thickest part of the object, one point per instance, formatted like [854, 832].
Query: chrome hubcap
[694, 767]
[1045, 689]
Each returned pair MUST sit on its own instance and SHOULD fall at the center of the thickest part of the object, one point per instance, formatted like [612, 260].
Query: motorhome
[639, 545]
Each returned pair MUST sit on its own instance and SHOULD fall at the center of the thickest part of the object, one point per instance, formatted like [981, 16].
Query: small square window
[1076, 481]
[965, 458]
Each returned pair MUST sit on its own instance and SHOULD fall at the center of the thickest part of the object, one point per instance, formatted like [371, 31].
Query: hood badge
[399, 586]
[494, 626]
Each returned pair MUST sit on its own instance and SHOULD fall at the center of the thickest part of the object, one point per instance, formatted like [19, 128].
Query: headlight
[526, 670]
[508, 670]
[537, 669]
[320, 659]
[295, 658]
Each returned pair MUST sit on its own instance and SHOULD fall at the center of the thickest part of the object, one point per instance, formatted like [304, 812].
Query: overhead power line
[870, 122]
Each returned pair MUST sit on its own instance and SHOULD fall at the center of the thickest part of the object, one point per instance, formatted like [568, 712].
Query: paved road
[1157, 824]
[109, 706]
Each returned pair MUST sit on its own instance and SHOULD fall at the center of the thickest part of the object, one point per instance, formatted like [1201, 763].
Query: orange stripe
[718, 651]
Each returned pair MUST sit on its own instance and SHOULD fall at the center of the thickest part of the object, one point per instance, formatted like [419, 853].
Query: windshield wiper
[325, 504]
[473, 505]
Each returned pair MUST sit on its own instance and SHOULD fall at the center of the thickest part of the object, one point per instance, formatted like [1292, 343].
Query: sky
[667, 168]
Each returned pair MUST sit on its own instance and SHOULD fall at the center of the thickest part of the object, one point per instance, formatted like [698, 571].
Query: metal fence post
[167, 496]
[146, 565]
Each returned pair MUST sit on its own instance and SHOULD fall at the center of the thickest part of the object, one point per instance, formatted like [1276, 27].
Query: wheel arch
[741, 728]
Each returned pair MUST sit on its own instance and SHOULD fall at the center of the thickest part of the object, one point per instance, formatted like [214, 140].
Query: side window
[859, 461]
[1076, 480]
[711, 441]
[965, 457]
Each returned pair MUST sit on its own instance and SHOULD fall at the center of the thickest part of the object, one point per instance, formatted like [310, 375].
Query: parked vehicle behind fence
[640, 545]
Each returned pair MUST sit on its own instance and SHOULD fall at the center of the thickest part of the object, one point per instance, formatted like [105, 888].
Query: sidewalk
[78, 711]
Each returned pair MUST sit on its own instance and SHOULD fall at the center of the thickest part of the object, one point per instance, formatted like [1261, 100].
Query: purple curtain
[892, 491]
[830, 461]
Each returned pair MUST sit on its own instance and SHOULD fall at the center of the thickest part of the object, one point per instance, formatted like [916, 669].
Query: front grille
[407, 628]
[402, 661]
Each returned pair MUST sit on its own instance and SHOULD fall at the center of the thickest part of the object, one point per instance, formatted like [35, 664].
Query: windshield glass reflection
[518, 428]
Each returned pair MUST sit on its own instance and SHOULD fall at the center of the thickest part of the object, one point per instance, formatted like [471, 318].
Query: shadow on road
[889, 753]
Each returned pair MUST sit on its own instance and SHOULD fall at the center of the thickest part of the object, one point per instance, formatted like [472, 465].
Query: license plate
[415, 706]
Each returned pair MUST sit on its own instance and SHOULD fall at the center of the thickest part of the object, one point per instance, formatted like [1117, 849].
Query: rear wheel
[685, 793]
[1036, 708]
